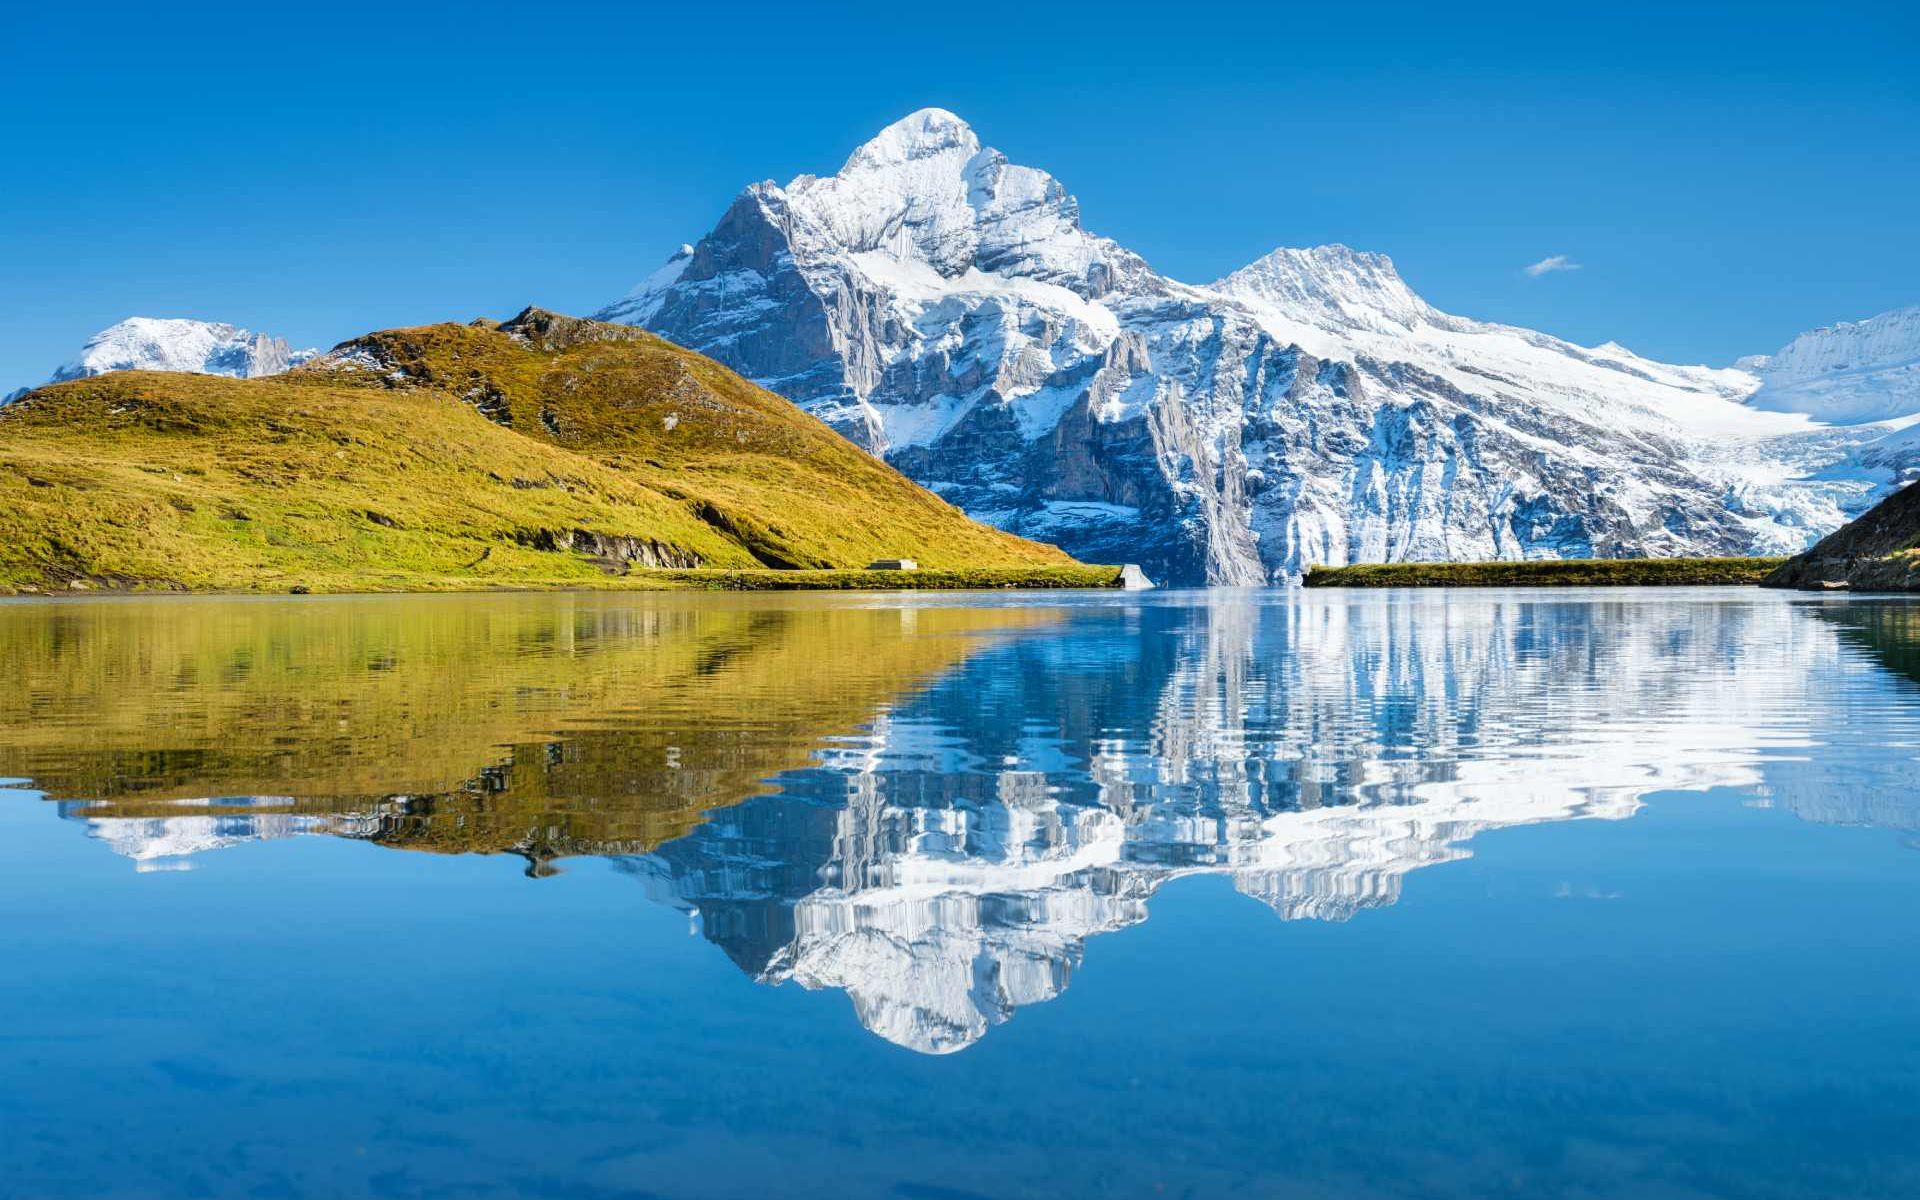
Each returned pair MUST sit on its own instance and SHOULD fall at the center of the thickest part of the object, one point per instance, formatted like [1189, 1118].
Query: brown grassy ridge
[1564, 572]
[546, 452]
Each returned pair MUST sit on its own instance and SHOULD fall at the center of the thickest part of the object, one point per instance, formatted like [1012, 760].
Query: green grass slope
[1561, 572]
[547, 451]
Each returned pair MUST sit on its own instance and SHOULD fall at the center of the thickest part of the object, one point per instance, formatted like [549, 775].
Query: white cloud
[1549, 264]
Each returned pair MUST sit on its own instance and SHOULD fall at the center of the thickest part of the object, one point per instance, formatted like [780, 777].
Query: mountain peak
[544, 329]
[925, 193]
[159, 330]
[1334, 263]
[1329, 285]
[917, 135]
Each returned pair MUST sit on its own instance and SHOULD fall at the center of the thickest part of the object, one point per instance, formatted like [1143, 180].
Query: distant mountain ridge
[944, 306]
[178, 344]
[1851, 372]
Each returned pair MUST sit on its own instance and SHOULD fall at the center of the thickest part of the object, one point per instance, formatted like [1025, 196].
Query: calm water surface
[1608, 894]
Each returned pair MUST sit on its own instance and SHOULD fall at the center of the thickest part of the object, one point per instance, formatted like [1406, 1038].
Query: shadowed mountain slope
[1879, 551]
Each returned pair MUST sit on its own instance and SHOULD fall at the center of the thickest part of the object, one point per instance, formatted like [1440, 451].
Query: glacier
[179, 344]
[943, 307]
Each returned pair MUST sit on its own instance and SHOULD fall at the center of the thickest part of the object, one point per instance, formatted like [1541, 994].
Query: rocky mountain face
[943, 307]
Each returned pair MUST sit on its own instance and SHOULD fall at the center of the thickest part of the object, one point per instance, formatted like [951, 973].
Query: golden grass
[469, 459]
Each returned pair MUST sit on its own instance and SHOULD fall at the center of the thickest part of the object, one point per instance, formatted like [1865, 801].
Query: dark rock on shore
[1879, 551]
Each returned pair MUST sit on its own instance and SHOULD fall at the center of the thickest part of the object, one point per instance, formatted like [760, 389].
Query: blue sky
[1725, 175]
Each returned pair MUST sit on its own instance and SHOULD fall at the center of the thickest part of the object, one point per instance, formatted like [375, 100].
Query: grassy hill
[546, 451]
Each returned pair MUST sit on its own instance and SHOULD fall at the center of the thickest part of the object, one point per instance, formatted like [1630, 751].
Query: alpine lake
[948, 896]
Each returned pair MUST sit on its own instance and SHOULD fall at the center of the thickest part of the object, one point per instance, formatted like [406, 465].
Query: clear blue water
[1601, 894]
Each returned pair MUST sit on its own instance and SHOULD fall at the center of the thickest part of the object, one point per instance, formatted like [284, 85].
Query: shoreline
[1550, 572]
[648, 579]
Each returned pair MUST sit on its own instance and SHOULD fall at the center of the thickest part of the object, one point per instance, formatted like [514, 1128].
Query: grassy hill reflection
[1888, 630]
[541, 725]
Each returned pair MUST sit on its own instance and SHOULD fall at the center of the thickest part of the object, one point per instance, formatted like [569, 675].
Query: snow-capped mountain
[945, 308]
[1849, 373]
[180, 344]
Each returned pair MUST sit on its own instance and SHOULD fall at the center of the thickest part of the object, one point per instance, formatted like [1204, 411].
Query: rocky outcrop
[540, 329]
[942, 306]
[614, 552]
[1878, 551]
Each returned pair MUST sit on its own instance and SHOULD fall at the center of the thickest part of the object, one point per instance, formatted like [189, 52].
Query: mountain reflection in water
[932, 803]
